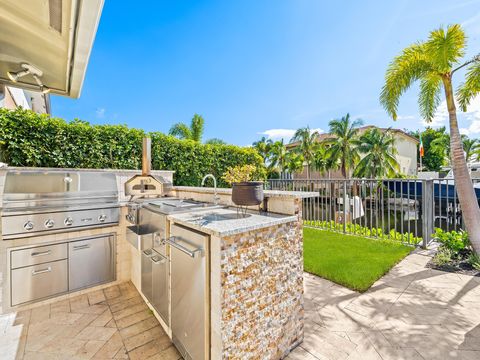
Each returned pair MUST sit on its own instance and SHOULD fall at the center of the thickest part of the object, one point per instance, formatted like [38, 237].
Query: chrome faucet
[215, 196]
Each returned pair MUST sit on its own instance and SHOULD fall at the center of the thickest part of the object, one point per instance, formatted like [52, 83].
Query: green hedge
[30, 139]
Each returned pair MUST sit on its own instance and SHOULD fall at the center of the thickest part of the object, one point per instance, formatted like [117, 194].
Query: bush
[357, 229]
[452, 240]
[30, 139]
[474, 260]
[443, 256]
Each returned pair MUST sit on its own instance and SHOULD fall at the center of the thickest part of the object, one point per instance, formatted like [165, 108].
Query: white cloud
[440, 118]
[406, 117]
[100, 112]
[286, 134]
[471, 117]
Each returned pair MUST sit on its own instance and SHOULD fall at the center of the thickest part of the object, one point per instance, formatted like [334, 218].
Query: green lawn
[352, 261]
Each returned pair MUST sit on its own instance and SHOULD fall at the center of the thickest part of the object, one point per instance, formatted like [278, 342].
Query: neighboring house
[407, 153]
[11, 98]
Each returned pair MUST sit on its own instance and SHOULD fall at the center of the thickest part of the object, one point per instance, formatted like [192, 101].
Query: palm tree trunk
[463, 182]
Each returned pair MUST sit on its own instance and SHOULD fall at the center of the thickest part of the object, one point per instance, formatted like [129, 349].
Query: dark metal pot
[247, 193]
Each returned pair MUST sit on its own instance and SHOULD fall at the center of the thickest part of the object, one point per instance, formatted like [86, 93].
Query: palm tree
[322, 161]
[263, 147]
[193, 132]
[294, 162]
[441, 145]
[379, 149]
[278, 156]
[434, 62]
[470, 147]
[308, 145]
[215, 141]
[342, 148]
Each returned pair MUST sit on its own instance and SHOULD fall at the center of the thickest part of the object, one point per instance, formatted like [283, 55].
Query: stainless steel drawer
[39, 281]
[38, 255]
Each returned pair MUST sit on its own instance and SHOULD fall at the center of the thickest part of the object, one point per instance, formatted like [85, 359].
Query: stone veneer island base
[256, 282]
[260, 293]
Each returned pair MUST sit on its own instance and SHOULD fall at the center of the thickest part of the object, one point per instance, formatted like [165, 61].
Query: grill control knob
[28, 225]
[49, 223]
[102, 218]
[68, 221]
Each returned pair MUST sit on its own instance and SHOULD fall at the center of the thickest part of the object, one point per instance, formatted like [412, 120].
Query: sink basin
[176, 203]
[220, 217]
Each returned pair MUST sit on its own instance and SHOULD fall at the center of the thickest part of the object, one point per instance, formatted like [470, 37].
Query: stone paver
[412, 313]
[87, 327]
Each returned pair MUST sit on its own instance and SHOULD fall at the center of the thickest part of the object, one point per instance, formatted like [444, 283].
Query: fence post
[427, 212]
[345, 206]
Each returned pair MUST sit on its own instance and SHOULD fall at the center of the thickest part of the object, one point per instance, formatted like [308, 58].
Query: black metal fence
[406, 210]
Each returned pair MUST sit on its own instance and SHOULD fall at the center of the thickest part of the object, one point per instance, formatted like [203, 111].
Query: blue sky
[257, 67]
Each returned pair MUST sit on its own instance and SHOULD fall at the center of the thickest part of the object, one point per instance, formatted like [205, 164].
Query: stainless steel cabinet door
[160, 286]
[146, 279]
[38, 281]
[189, 287]
[91, 261]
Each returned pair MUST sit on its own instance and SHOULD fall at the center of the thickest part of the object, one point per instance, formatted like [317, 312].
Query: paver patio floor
[411, 313]
[113, 323]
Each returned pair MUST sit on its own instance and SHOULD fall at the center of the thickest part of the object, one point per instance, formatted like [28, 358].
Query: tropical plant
[237, 174]
[357, 229]
[443, 256]
[322, 161]
[215, 141]
[474, 260]
[308, 145]
[294, 162]
[441, 146]
[38, 140]
[263, 147]
[278, 156]
[193, 132]
[379, 149]
[436, 145]
[452, 240]
[470, 147]
[434, 62]
[343, 150]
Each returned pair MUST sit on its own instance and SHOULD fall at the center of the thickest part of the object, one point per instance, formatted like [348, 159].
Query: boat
[443, 189]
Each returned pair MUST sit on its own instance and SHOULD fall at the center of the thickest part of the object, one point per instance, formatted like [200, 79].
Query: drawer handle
[41, 253]
[36, 272]
[172, 241]
[81, 247]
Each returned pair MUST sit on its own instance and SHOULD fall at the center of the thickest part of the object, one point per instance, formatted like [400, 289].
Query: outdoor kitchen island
[253, 267]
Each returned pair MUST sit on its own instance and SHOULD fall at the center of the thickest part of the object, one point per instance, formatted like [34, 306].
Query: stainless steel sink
[173, 205]
[211, 217]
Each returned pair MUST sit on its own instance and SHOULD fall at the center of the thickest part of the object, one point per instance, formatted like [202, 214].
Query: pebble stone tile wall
[262, 292]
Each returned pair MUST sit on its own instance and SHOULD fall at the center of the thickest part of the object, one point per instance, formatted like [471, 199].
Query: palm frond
[429, 97]
[470, 88]
[411, 65]
[181, 131]
[196, 127]
[445, 47]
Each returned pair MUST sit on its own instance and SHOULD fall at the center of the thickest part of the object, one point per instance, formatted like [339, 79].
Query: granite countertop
[227, 221]
[267, 193]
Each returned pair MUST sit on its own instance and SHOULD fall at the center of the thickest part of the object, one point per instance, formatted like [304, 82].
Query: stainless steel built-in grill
[42, 202]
